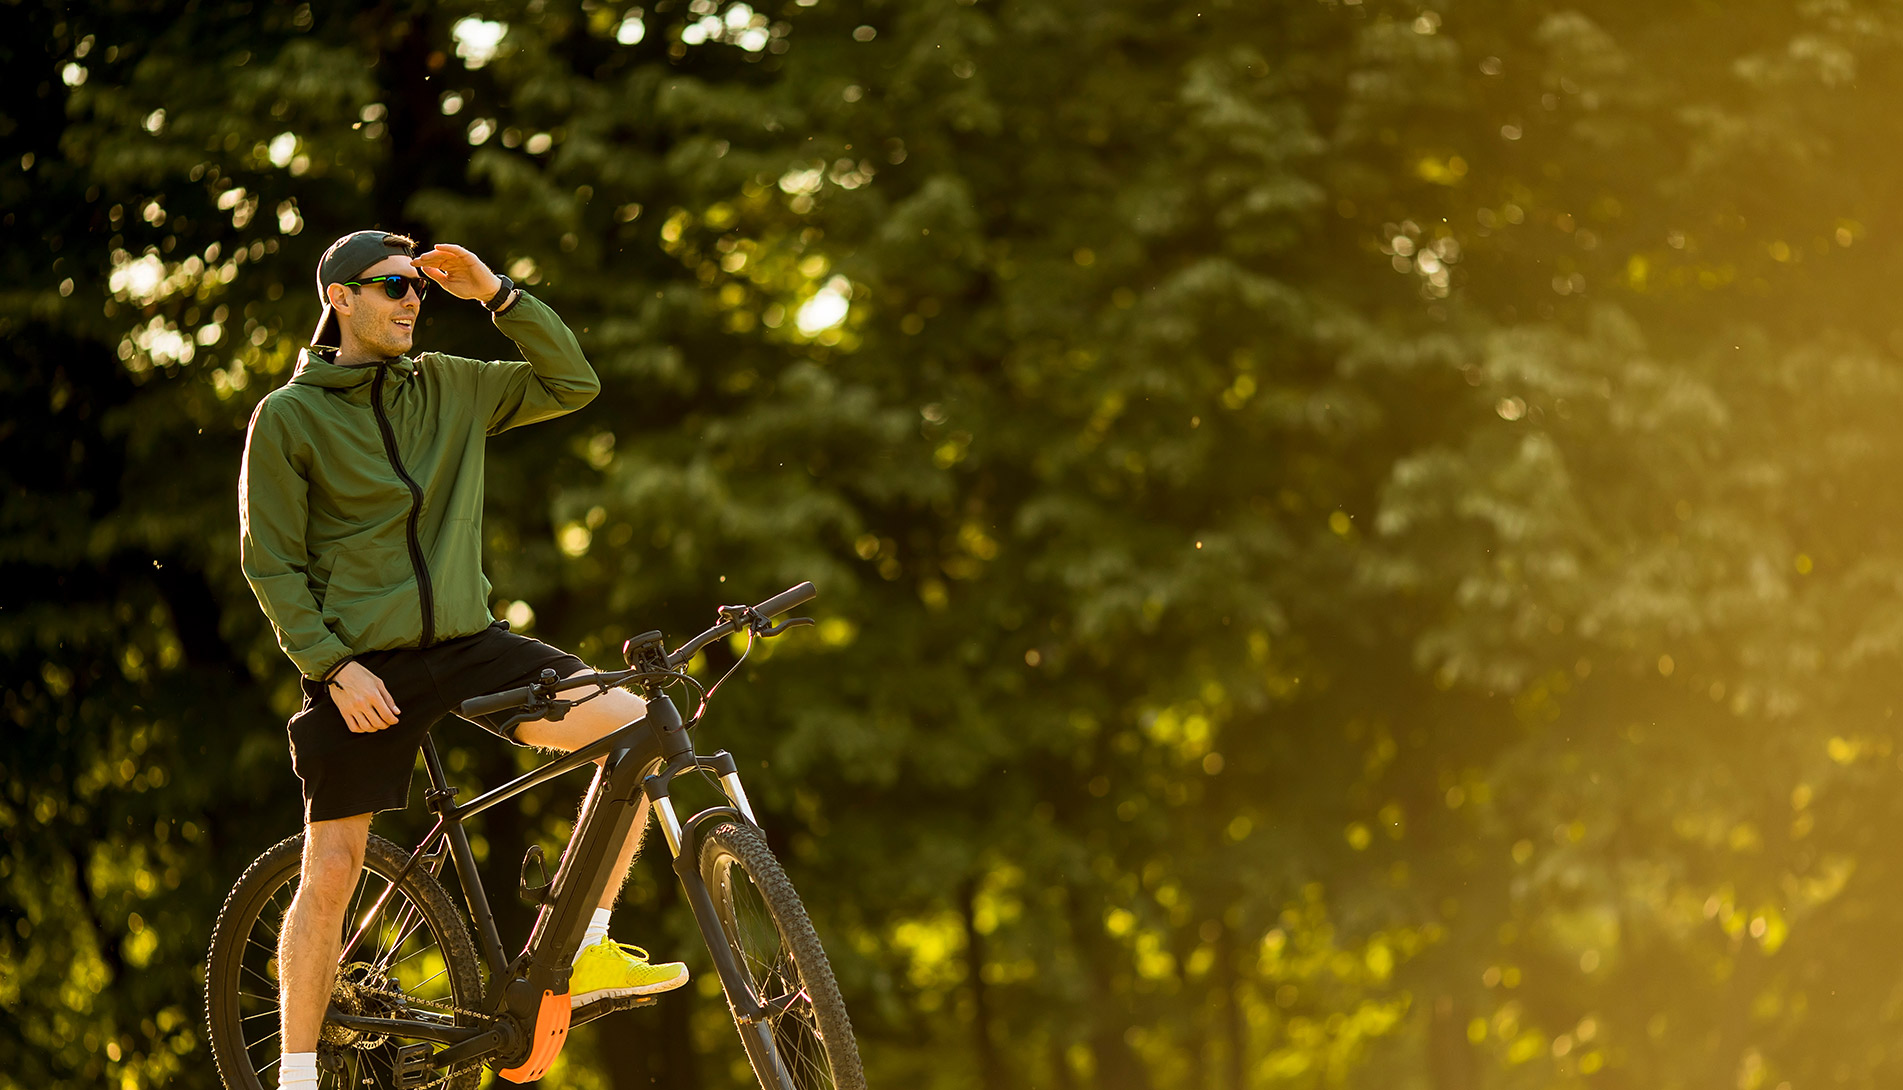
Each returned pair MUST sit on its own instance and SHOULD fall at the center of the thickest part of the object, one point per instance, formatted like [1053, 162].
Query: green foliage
[1351, 535]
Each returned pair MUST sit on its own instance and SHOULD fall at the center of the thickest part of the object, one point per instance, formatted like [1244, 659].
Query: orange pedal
[551, 1032]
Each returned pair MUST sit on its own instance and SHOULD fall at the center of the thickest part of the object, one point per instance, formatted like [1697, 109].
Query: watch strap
[501, 297]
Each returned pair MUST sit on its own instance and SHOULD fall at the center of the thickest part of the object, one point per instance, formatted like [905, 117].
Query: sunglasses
[395, 285]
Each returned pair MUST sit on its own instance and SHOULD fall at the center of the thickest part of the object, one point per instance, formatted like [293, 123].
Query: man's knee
[600, 716]
[333, 857]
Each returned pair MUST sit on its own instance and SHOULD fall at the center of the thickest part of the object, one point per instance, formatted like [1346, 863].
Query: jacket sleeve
[556, 378]
[273, 510]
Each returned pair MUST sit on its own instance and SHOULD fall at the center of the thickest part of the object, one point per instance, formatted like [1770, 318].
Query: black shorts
[346, 773]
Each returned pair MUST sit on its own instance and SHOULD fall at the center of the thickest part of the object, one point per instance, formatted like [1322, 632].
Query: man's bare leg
[312, 935]
[630, 848]
[601, 716]
[604, 969]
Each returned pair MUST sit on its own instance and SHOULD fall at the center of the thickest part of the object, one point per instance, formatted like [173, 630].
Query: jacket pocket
[462, 593]
[371, 601]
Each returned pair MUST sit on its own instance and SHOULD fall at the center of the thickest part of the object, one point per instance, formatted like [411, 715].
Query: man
[360, 509]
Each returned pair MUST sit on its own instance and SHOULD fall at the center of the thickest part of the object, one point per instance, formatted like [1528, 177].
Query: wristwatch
[501, 297]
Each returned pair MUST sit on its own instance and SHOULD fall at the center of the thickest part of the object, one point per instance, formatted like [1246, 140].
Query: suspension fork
[683, 842]
[658, 787]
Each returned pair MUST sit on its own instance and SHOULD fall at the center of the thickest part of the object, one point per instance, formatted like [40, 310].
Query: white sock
[298, 1071]
[597, 929]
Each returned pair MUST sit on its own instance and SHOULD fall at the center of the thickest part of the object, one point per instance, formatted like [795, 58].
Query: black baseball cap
[346, 260]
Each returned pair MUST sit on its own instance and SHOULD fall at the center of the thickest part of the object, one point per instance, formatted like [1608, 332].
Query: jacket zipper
[424, 591]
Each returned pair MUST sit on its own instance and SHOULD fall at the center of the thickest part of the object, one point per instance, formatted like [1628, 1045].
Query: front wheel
[809, 1044]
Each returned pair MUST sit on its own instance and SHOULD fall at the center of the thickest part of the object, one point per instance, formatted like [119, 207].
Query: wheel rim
[767, 961]
[400, 951]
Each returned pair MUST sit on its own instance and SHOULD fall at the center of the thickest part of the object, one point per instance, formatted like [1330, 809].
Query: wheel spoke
[385, 947]
[804, 1062]
[427, 946]
[276, 912]
[408, 910]
[249, 1045]
[433, 947]
[756, 931]
[418, 988]
[356, 904]
[354, 920]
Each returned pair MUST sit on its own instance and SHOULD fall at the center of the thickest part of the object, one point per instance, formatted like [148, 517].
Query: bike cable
[708, 694]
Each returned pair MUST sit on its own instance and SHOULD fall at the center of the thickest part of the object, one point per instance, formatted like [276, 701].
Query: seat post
[433, 763]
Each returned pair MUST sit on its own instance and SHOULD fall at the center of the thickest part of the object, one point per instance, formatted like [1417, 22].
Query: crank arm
[486, 1043]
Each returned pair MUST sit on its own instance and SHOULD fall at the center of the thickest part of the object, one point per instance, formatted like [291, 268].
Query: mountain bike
[420, 1001]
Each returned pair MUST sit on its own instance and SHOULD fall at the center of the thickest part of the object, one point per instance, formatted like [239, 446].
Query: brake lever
[552, 710]
[775, 629]
[550, 706]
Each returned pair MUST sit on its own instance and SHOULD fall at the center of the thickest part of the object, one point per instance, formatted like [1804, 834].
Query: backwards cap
[345, 261]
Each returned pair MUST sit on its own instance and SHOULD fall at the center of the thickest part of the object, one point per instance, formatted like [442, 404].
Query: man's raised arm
[556, 378]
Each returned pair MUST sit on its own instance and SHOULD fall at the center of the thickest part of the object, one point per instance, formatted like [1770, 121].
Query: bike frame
[639, 759]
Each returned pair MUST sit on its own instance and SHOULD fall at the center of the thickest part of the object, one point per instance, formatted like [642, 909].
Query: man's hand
[359, 694]
[460, 272]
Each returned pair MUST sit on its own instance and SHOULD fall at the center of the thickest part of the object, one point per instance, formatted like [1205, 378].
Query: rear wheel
[416, 962]
[808, 1044]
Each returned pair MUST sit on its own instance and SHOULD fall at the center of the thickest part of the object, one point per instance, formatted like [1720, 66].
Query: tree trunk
[1450, 1057]
[1061, 1075]
[1234, 1030]
[990, 1067]
[1118, 1065]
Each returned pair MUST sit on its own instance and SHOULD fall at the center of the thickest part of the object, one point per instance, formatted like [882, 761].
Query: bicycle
[411, 1009]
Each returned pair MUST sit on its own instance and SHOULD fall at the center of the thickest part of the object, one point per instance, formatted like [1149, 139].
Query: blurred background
[1357, 541]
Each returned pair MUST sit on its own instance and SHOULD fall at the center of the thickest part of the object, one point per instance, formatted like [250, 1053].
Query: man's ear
[340, 300]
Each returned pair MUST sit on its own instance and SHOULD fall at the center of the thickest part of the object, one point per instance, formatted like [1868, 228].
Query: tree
[1348, 534]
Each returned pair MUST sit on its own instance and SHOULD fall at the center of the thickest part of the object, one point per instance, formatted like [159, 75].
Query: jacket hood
[314, 369]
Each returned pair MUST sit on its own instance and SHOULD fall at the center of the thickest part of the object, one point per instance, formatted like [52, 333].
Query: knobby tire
[778, 950]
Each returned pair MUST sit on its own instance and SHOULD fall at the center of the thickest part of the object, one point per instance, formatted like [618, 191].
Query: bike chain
[411, 1000]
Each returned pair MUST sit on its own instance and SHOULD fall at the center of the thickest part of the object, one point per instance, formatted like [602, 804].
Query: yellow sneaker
[613, 970]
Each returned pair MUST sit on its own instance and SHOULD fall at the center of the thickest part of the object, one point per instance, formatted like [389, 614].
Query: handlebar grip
[497, 702]
[786, 600]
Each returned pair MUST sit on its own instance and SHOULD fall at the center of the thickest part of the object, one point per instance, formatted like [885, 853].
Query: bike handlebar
[786, 600]
[739, 617]
[497, 702]
[736, 619]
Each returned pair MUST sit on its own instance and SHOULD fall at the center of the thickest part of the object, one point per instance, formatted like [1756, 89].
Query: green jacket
[360, 503]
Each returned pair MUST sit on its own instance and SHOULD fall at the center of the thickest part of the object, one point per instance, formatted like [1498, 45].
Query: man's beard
[381, 340]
